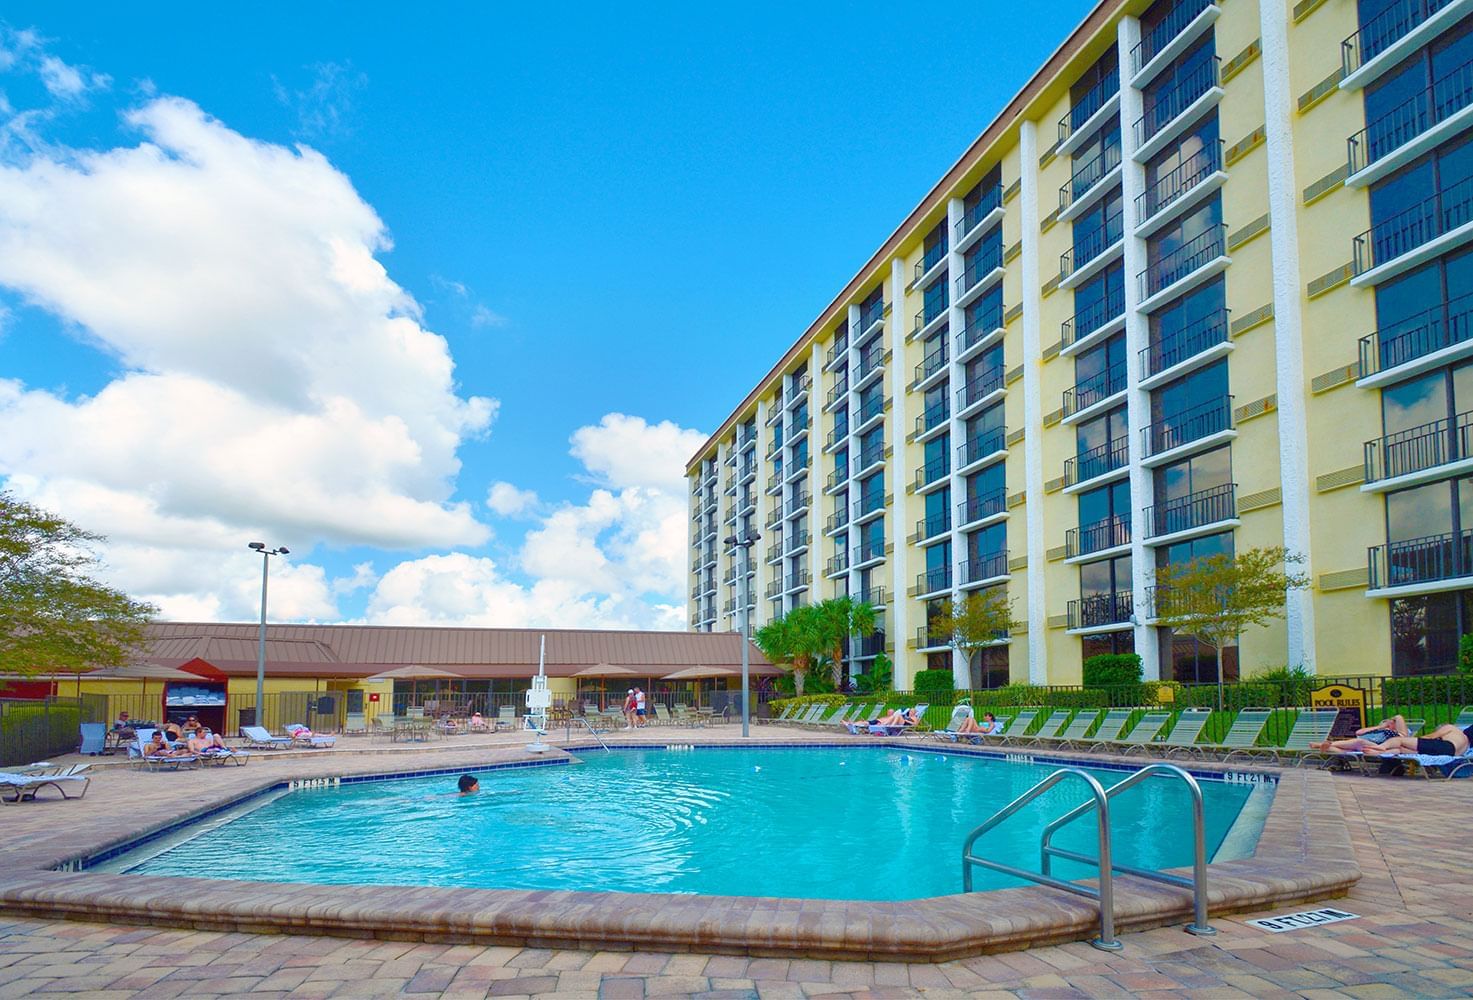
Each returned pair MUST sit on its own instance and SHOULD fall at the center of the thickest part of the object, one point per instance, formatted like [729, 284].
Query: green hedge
[931, 683]
[1112, 670]
[1454, 690]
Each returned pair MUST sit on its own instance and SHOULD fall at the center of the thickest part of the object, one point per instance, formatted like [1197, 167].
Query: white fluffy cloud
[509, 501]
[627, 451]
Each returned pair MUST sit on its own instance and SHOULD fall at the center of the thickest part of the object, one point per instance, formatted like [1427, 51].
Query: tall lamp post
[266, 555]
[745, 541]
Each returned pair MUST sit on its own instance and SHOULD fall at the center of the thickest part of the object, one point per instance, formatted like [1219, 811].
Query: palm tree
[792, 641]
[840, 618]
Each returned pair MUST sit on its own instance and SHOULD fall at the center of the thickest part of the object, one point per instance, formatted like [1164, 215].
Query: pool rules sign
[1299, 921]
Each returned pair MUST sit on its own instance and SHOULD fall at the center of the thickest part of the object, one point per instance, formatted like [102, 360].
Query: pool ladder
[568, 734]
[1105, 890]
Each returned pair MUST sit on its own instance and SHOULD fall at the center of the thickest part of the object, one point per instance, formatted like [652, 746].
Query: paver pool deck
[1413, 938]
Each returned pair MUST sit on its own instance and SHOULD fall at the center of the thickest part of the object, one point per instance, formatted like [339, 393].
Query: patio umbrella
[603, 671]
[415, 672]
[700, 673]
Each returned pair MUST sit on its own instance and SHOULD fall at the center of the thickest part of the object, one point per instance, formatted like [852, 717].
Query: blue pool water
[860, 823]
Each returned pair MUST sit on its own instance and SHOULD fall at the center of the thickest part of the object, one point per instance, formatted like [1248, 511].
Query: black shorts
[1436, 748]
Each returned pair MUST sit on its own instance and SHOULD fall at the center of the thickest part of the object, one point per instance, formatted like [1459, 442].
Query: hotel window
[1100, 444]
[1099, 372]
[1185, 658]
[935, 300]
[1178, 407]
[1178, 168]
[1094, 87]
[872, 446]
[1099, 300]
[1098, 229]
[1106, 643]
[935, 246]
[872, 308]
[986, 483]
[938, 564]
[936, 457]
[1432, 196]
[872, 491]
[872, 538]
[1101, 586]
[984, 545]
[983, 430]
[1430, 85]
[1095, 158]
[872, 400]
[1104, 516]
[938, 513]
[1426, 629]
[1188, 326]
[1189, 76]
[1182, 247]
[981, 368]
[989, 668]
[1424, 310]
[985, 314]
[1193, 492]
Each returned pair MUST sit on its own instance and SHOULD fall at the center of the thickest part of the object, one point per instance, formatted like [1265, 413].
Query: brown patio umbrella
[699, 673]
[603, 671]
[415, 672]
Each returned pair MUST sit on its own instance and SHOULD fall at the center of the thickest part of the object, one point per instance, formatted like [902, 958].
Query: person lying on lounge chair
[159, 747]
[1446, 740]
[202, 742]
[1376, 735]
[987, 727]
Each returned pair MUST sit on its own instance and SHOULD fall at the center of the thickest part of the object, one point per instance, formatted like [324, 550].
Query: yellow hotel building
[1203, 285]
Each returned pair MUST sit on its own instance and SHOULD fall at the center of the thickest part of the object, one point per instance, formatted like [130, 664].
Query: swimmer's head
[468, 784]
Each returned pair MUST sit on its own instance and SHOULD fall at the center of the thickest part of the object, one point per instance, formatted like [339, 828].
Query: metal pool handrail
[586, 725]
[1197, 883]
[1105, 893]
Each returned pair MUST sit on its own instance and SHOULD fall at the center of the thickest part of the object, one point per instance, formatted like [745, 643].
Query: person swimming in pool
[468, 785]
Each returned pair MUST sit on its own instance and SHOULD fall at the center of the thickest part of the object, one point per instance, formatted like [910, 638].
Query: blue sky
[592, 213]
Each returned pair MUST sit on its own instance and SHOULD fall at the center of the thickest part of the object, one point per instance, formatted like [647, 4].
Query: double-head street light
[745, 541]
[266, 555]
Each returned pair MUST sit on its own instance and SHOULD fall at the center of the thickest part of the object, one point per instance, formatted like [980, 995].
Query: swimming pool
[826, 823]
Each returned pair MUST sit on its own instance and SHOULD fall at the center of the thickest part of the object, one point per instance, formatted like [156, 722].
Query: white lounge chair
[260, 736]
[303, 737]
[23, 787]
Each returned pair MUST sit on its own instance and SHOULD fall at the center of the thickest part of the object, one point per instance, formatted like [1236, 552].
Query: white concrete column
[898, 625]
[1137, 339]
[762, 612]
[817, 581]
[851, 533]
[961, 674]
[1032, 302]
[1288, 319]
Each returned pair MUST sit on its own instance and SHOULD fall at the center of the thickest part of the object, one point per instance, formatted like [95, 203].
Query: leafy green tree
[1216, 598]
[979, 620]
[839, 618]
[54, 617]
[879, 677]
[793, 641]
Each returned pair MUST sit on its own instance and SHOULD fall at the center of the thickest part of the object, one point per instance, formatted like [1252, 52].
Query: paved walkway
[1414, 938]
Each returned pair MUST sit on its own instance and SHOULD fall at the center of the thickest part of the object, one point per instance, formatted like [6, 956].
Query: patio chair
[170, 763]
[783, 716]
[260, 736]
[1013, 727]
[384, 724]
[1242, 735]
[24, 787]
[1110, 728]
[1075, 731]
[1310, 726]
[303, 737]
[1183, 735]
[960, 716]
[354, 724]
[507, 714]
[1146, 729]
[834, 718]
[920, 713]
[414, 712]
[1049, 728]
[94, 738]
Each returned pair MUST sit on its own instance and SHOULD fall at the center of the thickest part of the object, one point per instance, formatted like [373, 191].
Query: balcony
[1418, 562]
[872, 359]
[774, 551]
[1172, 270]
[1100, 610]
[838, 563]
[868, 506]
[926, 641]
[981, 507]
[869, 410]
[1177, 109]
[1090, 248]
[1095, 321]
[839, 435]
[973, 216]
[1096, 462]
[1411, 128]
[1391, 35]
[928, 528]
[983, 568]
[837, 478]
[1180, 188]
[1074, 126]
[870, 323]
[1191, 341]
[1193, 512]
[775, 588]
[799, 387]
[796, 581]
[775, 485]
[979, 329]
[1415, 235]
[797, 425]
[981, 387]
[934, 416]
[1093, 391]
[745, 439]
[837, 392]
[797, 542]
[1087, 539]
[838, 519]
[982, 445]
[1172, 35]
[1416, 454]
[932, 472]
[838, 352]
[868, 459]
[749, 471]
[980, 270]
[869, 553]
[931, 260]
[798, 503]
[1423, 341]
[932, 364]
[731, 485]
[929, 320]
[1192, 424]
[862, 647]
[876, 596]
[933, 581]
[774, 517]
[1086, 178]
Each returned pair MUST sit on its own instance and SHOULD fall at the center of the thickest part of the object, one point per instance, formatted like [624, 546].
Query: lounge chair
[1109, 729]
[172, 762]
[1310, 726]
[960, 716]
[783, 716]
[1013, 728]
[23, 787]
[1146, 729]
[1242, 735]
[1048, 731]
[1076, 731]
[1183, 735]
[920, 714]
[831, 718]
[354, 724]
[303, 737]
[94, 738]
[507, 714]
[260, 736]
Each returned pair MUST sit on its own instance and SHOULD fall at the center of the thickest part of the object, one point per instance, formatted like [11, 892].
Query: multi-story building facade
[1203, 285]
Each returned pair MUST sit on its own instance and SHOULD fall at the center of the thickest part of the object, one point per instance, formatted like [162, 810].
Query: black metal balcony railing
[1095, 389]
[838, 563]
[979, 326]
[1096, 461]
[840, 517]
[797, 581]
[837, 435]
[1195, 510]
[1093, 99]
[982, 385]
[798, 503]
[930, 312]
[1188, 425]
[1109, 307]
[1407, 230]
[930, 527]
[798, 423]
[1176, 346]
[1179, 180]
[837, 392]
[980, 263]
[1089, 173]
[1417, 449]
[1088, 246]
[975, 508]
[1169, 104]
[980, 445]
[933, 255]
[933, 362]
[1449, 94]
[871, 408]
[869, 458]
[1421, 560]
[836, 352]
[985, 566]
[748, 471]
[1099, 610]
[1195, 253]
[1417, 336]
[933, 416]
[1097, 537]
[861, 647]
[869, 318]
[877, 596]
[1384, 30]
[869, 551]
[990, 200]
[776, 483]
[799, 386]
[933, 471]
[870, 359]
[797, 540]
[925, 640]
[933, 580]
[774, 552]
[869, 504]
[1169, 27]
[836, 477]
[775, 588]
